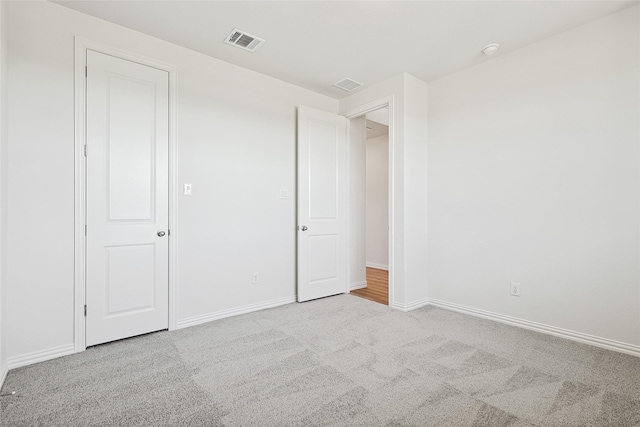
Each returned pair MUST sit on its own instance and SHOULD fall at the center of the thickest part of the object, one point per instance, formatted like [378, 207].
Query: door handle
[304, 228]
[161, 233]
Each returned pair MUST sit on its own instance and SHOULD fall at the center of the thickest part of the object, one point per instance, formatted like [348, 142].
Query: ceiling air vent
[244, 40]
[347, 84]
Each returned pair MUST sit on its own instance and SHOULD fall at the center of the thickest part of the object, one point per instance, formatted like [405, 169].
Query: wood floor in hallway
[377, 286]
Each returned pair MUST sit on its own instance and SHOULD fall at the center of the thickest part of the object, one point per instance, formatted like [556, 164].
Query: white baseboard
[540, 327]
[411, 306]
[40, 356]
[378, 266]
[204, 318]
[358, 285]
[3, 376]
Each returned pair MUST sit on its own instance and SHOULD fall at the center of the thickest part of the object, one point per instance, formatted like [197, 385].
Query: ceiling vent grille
[347, 84]
[244, 40]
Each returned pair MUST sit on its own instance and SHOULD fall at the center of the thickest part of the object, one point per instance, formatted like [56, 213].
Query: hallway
[377, 286]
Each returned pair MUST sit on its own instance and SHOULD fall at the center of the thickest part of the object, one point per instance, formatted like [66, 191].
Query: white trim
[359, 111]
[204, 318]
[358, 285]
[40, 356]
[377, 266]
[542, 328]
[3, 376]
[347, 137]
[370, 106]
[81, 47]
[411, 306]
[3, 183]
[79, 205]
[173, 197]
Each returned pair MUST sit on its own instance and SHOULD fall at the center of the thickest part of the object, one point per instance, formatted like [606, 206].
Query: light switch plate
[187, 189]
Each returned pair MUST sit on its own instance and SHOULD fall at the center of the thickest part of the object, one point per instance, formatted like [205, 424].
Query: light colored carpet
[339, 361]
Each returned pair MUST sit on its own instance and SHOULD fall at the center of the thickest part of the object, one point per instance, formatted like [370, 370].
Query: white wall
[534, 177]
[357, 203]
[236, 145]
[377, 203]
[408, 136]
[415, 191]
[3, 183]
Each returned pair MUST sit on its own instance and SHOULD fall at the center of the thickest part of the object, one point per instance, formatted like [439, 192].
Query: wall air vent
[244, 40]
[347, 84]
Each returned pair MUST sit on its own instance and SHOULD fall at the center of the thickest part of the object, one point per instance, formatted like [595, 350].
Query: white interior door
[127, 199]
[322, 190]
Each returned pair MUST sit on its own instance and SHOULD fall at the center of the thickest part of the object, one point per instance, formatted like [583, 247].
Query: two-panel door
[127, 186]
[322, 200]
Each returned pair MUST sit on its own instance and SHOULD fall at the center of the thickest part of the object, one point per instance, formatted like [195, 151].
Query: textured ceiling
[313, 44]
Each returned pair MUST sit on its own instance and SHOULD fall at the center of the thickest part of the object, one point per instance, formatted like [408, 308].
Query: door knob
[304, 228]
[161, 233]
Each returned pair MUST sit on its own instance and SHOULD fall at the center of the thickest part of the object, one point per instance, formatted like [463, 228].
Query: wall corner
[3, 185]
[415, 190]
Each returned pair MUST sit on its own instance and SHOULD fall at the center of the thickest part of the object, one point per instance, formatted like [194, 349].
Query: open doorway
[369, 213]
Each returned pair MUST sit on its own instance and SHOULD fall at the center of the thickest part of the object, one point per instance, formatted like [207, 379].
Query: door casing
[80, 205]
[357, 112]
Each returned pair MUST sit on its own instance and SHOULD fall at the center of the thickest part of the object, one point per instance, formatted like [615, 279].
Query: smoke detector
[490, 49]
[244, 40]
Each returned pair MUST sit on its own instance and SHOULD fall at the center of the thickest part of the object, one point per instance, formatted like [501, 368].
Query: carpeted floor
[339, 361]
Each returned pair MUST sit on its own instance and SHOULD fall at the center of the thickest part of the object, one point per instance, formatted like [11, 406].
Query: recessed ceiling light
[490, 49]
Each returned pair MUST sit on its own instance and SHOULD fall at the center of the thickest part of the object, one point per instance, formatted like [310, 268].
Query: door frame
[357, 112]
[80, 179]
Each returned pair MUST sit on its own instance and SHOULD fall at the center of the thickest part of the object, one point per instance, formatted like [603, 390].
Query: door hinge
[85, 229]
[85, 150]
[86, 73]
[85, 310]
[168, 232]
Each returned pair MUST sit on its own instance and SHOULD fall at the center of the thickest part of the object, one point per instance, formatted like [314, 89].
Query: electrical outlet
[515, 289]
[255, 277]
